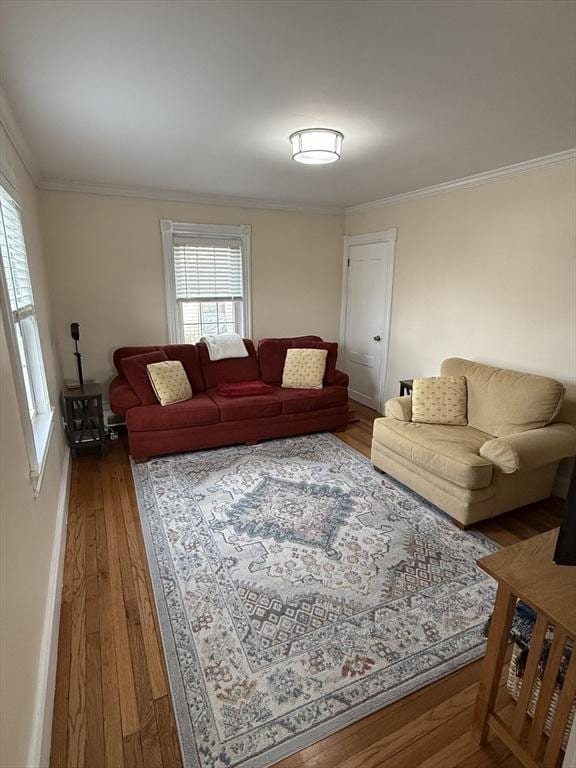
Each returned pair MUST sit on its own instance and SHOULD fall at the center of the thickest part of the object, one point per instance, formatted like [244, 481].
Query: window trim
[37, 429]
[171, 229]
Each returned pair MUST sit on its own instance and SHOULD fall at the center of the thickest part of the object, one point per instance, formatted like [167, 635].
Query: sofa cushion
[241, 408]
[231, 370]
[502, 402]
[188, 355]
[450, 452]
[136, 374]
[272, 354]
[303, 400]
[331, 348]
[200, 411]
[304, 368]
[123, 352]
[439, 400]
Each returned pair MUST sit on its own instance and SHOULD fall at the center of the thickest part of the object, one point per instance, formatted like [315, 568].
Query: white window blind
[208, 269]
[23, 338]
[207, 272]
[14, 259]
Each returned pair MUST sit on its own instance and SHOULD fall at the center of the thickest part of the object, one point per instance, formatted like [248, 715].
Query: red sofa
[209, 419]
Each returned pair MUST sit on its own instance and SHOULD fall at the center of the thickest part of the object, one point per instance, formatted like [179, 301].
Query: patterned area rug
[298, 590]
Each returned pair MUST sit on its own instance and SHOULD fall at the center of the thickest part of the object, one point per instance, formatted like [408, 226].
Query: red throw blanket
[244, 389]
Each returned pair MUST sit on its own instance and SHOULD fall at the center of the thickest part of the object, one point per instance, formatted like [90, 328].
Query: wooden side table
[405, 387]
[84, 416]
[527, 571]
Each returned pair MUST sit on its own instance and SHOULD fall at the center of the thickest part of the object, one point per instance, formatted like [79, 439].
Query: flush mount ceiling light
[316, 146]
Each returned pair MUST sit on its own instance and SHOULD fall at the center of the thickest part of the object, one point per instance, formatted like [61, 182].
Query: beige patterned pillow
[439, 400]
[304, 368]
[169, 382]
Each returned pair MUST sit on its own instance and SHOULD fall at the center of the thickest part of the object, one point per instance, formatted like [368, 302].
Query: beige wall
[27, 525]
[107, 255]
[487, 273]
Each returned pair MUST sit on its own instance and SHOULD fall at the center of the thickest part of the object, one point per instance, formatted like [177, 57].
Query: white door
[367, 296]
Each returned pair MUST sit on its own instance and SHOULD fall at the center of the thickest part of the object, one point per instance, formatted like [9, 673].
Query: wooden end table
[528, 572]
[405, 387]
[84, 417]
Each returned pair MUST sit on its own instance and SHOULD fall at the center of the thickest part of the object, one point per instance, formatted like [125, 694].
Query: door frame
[385, 236]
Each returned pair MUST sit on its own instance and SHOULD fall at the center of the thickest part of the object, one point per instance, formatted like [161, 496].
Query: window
[207, 280]
[23, 337]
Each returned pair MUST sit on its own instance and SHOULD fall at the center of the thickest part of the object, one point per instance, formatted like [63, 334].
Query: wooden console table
[527, 571]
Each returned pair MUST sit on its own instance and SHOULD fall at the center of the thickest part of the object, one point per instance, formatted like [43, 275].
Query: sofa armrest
[399, 408]
[531, 449]
[122, 397]
[340, 378]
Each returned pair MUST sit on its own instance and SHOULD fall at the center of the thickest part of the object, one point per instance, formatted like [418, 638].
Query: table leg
[498, 639]
[101, 430]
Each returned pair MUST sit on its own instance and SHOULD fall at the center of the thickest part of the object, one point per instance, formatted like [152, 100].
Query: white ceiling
[201, 96]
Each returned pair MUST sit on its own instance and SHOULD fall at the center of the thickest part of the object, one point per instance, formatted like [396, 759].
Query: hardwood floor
[112, 704]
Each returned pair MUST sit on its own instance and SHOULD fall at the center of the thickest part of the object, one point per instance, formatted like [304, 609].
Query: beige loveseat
[506, 456]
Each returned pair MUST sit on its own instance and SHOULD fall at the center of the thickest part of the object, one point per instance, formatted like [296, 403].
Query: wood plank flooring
[112, 704]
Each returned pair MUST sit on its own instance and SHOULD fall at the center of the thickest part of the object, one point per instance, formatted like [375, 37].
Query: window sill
[43, 427]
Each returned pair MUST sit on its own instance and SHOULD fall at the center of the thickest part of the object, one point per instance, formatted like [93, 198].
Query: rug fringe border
[178, 695]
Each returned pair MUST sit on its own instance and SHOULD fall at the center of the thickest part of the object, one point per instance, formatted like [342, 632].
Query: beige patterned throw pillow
[440, 400]
[169, 382]
[304, 368]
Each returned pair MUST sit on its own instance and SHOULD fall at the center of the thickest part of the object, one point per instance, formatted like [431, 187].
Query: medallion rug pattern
[298, 590]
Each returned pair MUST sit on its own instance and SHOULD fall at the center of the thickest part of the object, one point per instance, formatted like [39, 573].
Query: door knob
[377, 338]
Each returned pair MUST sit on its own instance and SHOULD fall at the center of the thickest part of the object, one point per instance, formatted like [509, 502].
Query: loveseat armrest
[531, 449]
[399, 408]
[340, 378]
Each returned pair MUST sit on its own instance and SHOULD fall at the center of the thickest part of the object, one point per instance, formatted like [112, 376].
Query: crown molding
[467, 181]
[176, 196]
[24, 152]
[17, 138]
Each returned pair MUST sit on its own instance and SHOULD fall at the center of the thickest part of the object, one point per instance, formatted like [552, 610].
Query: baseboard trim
[359, 398]
[39, 751]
